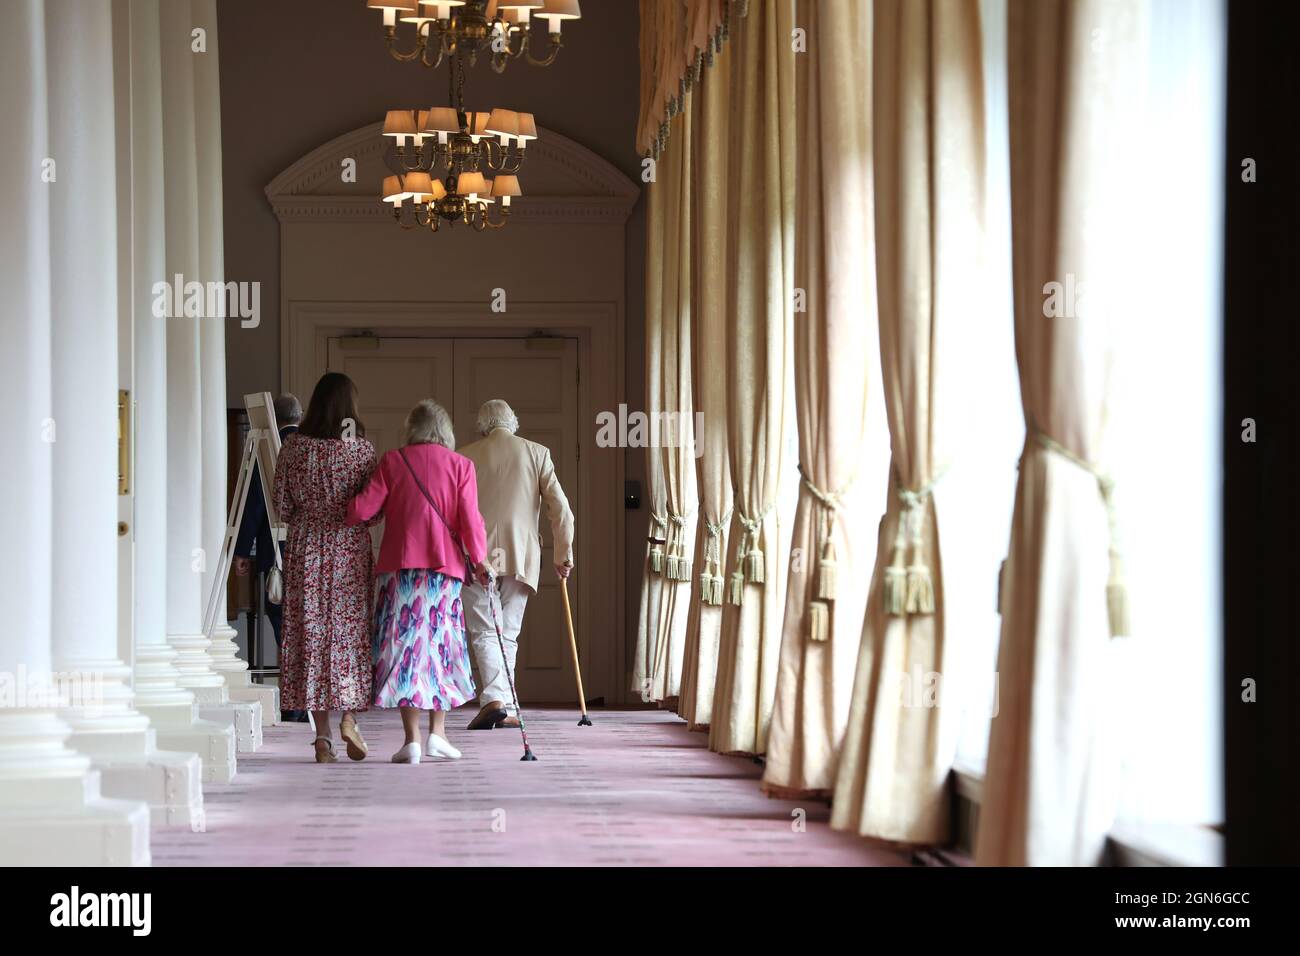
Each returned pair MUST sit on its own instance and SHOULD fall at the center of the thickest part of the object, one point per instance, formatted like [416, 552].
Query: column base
[233, 669]
[244, 716]
[169, 782]
[98, 832]
[242, 689]
[213, 742]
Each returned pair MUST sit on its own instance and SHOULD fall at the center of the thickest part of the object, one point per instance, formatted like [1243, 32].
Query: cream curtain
[647, 637]
[928, 120]
[835, 347]
[760, 387]
[1049, 791]
[711, 145]
[677, 39]
[674, 432]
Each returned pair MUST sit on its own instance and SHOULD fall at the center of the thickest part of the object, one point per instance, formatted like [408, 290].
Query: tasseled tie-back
[909, 586]
[1116, 589]
[750, 567]
[711, 576]
[657, 543]
[827, 573]
[677, 564]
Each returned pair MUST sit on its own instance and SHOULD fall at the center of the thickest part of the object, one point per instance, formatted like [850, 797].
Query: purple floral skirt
[421, 659]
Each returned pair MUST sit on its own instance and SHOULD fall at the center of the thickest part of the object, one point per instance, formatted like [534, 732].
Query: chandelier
[439, 157]
[448, 28]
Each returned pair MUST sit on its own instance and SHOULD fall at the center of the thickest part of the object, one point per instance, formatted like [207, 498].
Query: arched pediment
[562, 181]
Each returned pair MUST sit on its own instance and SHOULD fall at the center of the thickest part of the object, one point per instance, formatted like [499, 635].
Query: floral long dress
[328, 589]
[421, 659]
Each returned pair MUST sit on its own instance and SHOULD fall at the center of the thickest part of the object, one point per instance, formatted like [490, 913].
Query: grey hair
[429, 424]
[495, 413]
[288, 410]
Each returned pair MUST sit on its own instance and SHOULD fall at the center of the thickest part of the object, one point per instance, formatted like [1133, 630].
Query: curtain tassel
[657, 559]
[736, 595]
[754, 563]
[819, 622]
[920, 590]
[895, 590]
[1117, 600]
[827, 572]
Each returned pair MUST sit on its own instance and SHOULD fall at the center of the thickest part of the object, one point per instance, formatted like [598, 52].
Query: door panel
[391, 378]
[539, 378]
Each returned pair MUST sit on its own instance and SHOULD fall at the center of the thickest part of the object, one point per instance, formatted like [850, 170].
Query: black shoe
[487, 718]
[293, 716]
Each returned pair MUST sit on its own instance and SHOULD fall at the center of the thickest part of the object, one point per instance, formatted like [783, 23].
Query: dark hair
[333, 401]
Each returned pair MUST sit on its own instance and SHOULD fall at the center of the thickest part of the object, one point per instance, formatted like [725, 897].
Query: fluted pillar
[212, 351]
[188, 553]
[51, 810]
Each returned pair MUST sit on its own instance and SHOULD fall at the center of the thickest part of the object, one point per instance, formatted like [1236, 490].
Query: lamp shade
[560, 10]
[476, 123]
[439, 190]
[393, 191]
[399, 123]
[418, 15]
[470, 183]
[504, 185]
[527, 126]
[419, 186]
[441, 119]
[403, 5]
[503, 123]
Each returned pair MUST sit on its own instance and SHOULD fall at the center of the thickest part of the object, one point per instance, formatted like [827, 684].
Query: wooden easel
[261, 447]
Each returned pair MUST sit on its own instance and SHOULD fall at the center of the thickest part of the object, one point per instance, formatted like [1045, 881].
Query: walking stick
[505, 664]
[573, 646]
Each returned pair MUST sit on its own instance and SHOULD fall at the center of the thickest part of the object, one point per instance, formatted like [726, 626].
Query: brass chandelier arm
[442, 50]
[557, 43]
[421, 42]
[401, 220]
[497, 157]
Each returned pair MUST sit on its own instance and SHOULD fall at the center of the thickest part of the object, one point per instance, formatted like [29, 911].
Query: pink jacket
[414, 536]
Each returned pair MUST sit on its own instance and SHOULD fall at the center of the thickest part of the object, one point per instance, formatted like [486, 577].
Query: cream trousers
[494, 685]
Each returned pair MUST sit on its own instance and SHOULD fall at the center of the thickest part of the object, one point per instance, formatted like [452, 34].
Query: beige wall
[289, 84]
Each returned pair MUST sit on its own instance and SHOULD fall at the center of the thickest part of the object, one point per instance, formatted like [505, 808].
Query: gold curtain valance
[678, 40]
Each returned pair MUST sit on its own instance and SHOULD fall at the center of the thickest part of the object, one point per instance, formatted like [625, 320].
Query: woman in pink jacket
[428, 496]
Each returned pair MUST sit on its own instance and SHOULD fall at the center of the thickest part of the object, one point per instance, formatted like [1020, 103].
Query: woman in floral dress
[325, 655]
[428, 496]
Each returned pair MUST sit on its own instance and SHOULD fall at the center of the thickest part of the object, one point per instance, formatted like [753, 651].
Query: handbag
[275, 586]
[469, 565]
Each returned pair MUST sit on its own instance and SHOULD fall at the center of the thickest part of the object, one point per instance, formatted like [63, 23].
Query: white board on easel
[261, 447]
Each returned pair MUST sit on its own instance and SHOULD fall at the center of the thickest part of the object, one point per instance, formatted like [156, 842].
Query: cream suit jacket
[515, 476]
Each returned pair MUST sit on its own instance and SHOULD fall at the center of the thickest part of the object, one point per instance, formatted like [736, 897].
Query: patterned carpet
[635, 789]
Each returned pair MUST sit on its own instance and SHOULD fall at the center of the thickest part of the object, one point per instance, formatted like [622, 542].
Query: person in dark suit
[254, 542]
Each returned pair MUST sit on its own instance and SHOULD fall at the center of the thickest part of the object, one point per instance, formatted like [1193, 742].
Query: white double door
[539, 378]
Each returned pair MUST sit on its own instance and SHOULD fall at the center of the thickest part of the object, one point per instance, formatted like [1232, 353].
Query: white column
[131, 764]
[212, 350]
[188, 552]
[51, 811]
[171, 708]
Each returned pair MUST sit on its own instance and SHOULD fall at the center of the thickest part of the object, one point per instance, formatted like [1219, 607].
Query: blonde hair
[429, 424]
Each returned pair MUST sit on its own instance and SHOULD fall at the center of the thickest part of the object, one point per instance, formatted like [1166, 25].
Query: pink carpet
[636, 789]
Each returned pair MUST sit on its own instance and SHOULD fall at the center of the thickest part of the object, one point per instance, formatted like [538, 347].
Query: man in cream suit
[514, 477]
